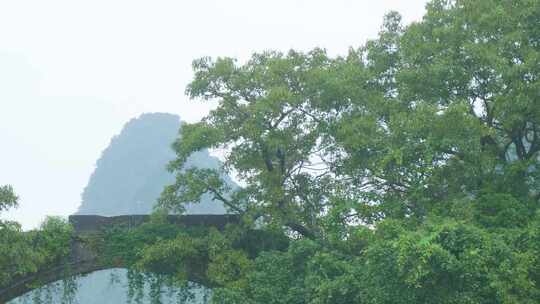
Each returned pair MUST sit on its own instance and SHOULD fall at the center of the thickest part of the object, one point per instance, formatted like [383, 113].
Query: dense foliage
[407, 171]
[23, 253]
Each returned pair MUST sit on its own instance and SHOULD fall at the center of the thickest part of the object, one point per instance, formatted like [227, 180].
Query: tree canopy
[407, 171]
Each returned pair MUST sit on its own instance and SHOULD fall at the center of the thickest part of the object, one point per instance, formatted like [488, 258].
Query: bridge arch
[84, 260]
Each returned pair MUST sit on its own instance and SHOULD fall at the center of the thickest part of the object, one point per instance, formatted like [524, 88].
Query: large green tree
[407, 171]
[440, 110]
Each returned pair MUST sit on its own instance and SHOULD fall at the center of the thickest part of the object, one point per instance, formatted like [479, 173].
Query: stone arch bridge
[82, 260]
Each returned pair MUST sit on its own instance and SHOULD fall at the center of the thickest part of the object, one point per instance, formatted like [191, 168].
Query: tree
[269, 121]
[408, 169]
[8, 199]
[27, 252]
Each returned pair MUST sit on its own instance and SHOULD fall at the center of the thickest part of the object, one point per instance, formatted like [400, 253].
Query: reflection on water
[110, 287]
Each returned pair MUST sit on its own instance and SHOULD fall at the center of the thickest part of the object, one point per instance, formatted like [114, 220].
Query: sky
[73, 72]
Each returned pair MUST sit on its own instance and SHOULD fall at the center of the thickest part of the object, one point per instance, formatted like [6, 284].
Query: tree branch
[225, 201]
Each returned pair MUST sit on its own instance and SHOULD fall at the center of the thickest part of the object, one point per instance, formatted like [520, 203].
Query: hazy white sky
[73, 72]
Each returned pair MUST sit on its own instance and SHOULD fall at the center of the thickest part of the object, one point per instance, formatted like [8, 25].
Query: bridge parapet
[83, 224]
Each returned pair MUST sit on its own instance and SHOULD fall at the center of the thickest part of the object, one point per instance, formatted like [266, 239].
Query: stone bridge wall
[82, 260]
[95, 223]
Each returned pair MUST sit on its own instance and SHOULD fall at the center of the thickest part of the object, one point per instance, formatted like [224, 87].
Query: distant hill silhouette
[129, 177]
[130, 174]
